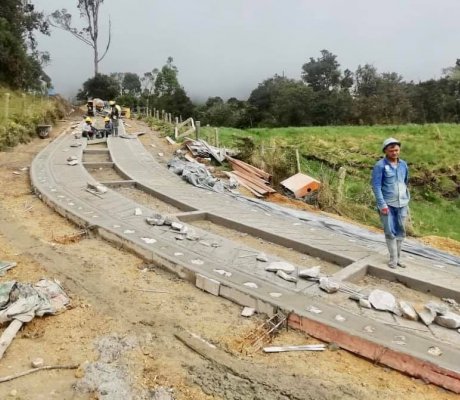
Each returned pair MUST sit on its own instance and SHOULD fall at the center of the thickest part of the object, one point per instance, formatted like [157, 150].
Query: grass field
[21, 113]
[432, 152]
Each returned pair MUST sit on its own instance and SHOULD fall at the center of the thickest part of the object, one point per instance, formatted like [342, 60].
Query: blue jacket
[389, 184]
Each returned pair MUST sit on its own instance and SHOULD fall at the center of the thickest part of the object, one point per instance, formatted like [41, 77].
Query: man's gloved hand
[385, 210]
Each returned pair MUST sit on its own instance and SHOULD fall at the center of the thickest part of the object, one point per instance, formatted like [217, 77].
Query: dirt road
[115, 293]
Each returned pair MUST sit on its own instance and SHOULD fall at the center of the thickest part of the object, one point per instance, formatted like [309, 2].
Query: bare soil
[115, 292]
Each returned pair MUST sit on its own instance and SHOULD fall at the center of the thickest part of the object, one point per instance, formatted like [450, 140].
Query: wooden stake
[8, 335]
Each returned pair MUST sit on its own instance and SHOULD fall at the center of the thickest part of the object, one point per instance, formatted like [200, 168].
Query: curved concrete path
[221, 271]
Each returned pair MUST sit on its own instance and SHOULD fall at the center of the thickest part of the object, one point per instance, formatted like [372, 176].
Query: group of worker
[111, 122]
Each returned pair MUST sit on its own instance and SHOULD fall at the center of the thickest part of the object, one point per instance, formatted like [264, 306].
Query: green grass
[25, 112]
[432, 152]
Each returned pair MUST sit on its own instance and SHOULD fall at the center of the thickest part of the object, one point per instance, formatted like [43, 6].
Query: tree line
[21, 64]
[325, 95]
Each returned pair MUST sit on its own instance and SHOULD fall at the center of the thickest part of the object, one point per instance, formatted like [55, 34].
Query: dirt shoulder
[115, 292]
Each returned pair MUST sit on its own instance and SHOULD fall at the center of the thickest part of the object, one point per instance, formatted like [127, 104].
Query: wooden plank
[258, 171]
[258, 189]
[258, 182]
[242, 183]
[243, 168]
[170, 141]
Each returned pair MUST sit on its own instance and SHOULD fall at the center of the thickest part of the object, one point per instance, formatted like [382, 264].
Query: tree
[131, 83]
[166, 81]
[89, 12]
[279, 101]
[21, 64]
[101, 86]
[322, 74]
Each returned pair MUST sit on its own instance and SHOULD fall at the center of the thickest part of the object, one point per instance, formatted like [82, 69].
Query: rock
[37, 362]
[310, 273]
[329, 285]
[72, 162]
[340, 318]
[364, 303]
[286, 276]
[435, 351]
[177, 226]
[262, 257]
[168, 220]
[437, 308]
[448, 320]
[248, 312]
[148, 240]
[192, 235]
[280, 266]
[408, 311]
[156, 219]
[275, 294]
[383, 301]
[137, 211]
[427, 316]
[251, 285]
[72, 158]
[223, 273]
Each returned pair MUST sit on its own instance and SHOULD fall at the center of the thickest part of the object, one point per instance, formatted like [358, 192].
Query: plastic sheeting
[196, 174]
[23, 301]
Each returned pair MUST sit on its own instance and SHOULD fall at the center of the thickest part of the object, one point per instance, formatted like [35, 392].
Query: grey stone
[382, 300]
[262, 257]
[426, 315]
[286, 276]
[177, 226]
[435, 351]
[329, 285]
[137, 211]
[437, 308]
[37, 362]
[408, 311]
[365, 303]
[280, 266]
[310, 273]
[248, 312]
[156, 219]
[448, 320]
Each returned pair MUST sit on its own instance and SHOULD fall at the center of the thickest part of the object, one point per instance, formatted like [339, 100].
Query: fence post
[342, 172]
[297, 158]
[197, 129]
[216, 137]
[180, 119]
[23, 104]
[7, 105]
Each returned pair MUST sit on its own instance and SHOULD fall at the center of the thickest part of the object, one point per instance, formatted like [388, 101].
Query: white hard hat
[389, 141]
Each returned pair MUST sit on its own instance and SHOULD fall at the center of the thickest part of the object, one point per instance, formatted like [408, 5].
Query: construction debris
[300, 185]
[248, 312]
[96, 188]
[254, 179]
[448, 320]
[408, 311]
[262, 257]
[72, 160]
[21, 302]
[310, 273]
[262, 334]
[305, 347]
[276, 266]
[382, 300]
[285, 276]
[200, 148]
[329, 285]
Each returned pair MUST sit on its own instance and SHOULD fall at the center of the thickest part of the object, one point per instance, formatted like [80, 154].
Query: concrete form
[368, 334]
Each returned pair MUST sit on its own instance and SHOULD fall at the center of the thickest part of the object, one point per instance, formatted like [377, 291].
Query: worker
[389, 183]
[108, 126]
[115, 114]
[89, 131]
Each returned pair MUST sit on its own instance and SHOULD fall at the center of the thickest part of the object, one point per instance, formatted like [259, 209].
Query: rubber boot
[393, 250]
[399, 246]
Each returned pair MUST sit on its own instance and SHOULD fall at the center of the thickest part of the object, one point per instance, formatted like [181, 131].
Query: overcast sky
[225, 48]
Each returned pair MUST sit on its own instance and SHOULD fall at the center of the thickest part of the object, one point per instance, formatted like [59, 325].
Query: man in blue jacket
[389, 184]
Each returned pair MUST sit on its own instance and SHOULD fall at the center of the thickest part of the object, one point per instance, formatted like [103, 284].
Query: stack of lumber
[256, 180]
